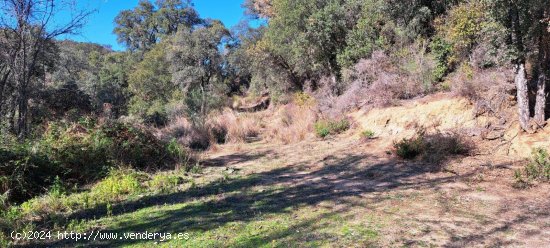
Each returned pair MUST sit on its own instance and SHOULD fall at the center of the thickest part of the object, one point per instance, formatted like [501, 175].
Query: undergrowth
[324, 128]
[432, 148]
[538, 169]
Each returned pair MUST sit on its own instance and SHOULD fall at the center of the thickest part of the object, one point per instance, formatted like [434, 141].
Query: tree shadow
[236, 158]
[282, 189]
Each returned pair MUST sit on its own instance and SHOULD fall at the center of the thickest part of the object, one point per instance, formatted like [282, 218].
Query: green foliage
[79, 154]
[302, 40]
[141, 28]
[176, 151]
[324, 128]
[539, 167]
[463, 26]
[410, 148]
[165, 182]
[118, 184]
[441, 51]
[367, 134]
[24, 171]
[468, 28]
[373, 30]
[151, 86]
[197, 67]
[433, 148]
[57, 189]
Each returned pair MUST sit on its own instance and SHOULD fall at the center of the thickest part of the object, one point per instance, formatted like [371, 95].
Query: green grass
[367, 134]
[224, 211]
[325, 128]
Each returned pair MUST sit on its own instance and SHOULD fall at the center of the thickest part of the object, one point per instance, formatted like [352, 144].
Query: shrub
[328, 127]
[537, 169]
[367, 134]
[24, 171]
[165, 182]
[178, 153]
[117, 184]
[433, 148]
[117, 142]
[441, 50]
[76, 154]
[410, 148]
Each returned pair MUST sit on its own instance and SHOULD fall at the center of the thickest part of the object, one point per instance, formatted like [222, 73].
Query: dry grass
[186, 134]
[291, 123]
[435, 148]
[223, 127]
[229, 126]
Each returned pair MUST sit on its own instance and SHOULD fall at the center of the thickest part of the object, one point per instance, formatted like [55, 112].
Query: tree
[28, 33]
[527, 22]
[303, 38]
[259, 8]
[417, 16]
[111, 86]
[197, 66]
[144, 26]
[151, 85]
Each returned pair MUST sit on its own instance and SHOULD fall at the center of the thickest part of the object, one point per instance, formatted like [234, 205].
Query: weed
[57, 189]
[328, 127]
[118, 184]
[109, 209]
[196, 169]
[367, 134]
[303, 99]
[410, 148]
[537, 169]
[165, 182]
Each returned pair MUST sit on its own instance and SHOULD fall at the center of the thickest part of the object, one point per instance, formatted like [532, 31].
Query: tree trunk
[540, 104]
[22, 116]
[522, 97]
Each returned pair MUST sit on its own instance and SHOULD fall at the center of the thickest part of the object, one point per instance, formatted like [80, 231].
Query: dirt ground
[469, 203]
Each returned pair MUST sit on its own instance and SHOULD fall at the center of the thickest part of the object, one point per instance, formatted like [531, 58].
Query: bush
[537, 169]
[328, 127]
[433, 148]
[367, 134]
[77, 154]
[441, 50]
[118, 184]
[165, 182]
[410, 148]
[24, 172]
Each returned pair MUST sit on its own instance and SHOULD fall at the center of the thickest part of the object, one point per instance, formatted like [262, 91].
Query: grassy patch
[367, 134]
[325, 128]
[537, 169]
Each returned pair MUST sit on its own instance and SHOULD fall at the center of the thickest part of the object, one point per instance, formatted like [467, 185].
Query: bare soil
[469, 202]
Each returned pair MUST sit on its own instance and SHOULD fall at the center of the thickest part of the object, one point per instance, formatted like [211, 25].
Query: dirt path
[471, 203]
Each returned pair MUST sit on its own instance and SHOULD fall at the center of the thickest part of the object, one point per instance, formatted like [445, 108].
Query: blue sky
[99, 27]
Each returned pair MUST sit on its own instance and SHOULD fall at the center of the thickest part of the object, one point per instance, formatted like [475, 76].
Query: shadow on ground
[283, 189]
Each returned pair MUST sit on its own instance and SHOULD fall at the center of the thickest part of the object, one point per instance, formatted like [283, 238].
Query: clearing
[338, 192]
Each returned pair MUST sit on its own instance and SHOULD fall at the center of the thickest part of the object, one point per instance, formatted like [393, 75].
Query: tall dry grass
[233, 127]
[291, 123]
